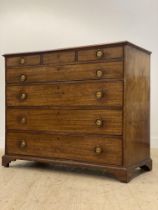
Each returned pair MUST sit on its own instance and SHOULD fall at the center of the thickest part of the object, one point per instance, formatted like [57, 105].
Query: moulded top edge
[80, 47]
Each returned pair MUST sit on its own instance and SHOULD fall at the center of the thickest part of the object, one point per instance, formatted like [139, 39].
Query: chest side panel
[136, 106]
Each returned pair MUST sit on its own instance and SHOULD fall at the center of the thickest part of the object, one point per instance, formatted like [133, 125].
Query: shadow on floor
[65, 169]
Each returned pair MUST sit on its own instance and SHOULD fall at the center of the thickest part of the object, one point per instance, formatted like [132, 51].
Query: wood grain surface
[59, 57]
[73, 147]
[63, 103]
[136, 106]
[47, 73]
[81, 93]
[108, 53]
[28, 60]
[60, 120]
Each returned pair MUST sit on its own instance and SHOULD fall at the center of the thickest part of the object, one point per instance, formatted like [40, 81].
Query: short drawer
[23, 60]
[96, 71]
[92, 149]
[59, 57]
[67, 94]
[66, 120]
[100, 54]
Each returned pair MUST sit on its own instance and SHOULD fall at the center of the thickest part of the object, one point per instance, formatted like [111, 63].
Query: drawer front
[59, 57]
[63, 73]
[66, 120]
[23, 60]
[100, 54]
[80, 93]
[93, 149]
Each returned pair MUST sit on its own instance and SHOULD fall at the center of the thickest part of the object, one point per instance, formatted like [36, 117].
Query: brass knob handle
[99, 73]
[23, 120]
[23, 96]
[99, 123]
[23, 77]
[98, 150]
[99, 53]
[23, 144]
[99, 94]
[22, 60]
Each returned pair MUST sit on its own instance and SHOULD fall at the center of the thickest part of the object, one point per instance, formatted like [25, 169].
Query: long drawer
[80, 93]
[65, 72]
[66, 120]
[94, 149]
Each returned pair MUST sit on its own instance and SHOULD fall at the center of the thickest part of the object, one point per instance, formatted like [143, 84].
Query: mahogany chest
[86, 107]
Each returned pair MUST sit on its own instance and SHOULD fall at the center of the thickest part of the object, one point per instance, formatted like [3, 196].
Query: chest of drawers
[84, 107]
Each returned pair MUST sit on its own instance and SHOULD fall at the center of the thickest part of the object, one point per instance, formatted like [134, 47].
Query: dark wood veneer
[136, 106]
[66, 120]
[59, 57]
[90, 54]
[23, 60]
[75, 147]
[77, 93]
[45, 73]
[86, 107]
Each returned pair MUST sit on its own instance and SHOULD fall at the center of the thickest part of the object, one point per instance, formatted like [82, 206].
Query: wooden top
[81, 47]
